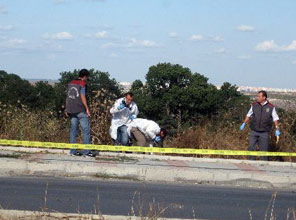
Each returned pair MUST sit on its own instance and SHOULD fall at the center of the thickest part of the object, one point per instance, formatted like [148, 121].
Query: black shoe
[91, 154]
[75, 153]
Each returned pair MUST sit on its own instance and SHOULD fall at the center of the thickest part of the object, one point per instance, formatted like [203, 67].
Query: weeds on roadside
[219, 132]
[222, 133]
[20, 123]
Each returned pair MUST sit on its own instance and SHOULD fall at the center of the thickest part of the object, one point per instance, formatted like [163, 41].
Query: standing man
[78, 110]
[146, 132]
[123, 111]
[262, 114]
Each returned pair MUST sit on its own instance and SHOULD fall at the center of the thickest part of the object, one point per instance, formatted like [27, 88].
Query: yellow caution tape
[53, 145]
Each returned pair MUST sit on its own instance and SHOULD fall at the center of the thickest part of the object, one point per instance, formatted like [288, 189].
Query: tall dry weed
[21, 123]
[218, 132]
[101, 117]
[222, 133]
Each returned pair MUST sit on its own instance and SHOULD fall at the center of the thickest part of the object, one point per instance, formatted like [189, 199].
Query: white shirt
[148, 127]
[275, 116]
[122, 116]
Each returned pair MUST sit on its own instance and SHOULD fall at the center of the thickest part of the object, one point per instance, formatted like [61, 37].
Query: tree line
[172, 95]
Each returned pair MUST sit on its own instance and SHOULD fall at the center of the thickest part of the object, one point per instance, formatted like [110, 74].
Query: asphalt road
[121, 197]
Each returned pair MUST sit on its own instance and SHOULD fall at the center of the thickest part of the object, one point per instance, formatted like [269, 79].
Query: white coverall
[148, 127]
[121, 117]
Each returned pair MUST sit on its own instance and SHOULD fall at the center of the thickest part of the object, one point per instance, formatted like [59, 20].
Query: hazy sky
[250, 42]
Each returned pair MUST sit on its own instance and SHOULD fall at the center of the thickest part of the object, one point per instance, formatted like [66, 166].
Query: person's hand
[122, 105]
[277, 132]
[132, 117]
[157, 139]
[88, 113]
[242, 127]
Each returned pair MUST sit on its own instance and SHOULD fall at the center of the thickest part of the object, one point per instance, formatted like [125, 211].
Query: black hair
[164, 131]
[264, 93]
[83, 73]
[130, 94]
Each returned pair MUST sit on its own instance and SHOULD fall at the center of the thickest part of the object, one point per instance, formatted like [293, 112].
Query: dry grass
[270, 210]
[222, 132]
[155, 210]
[19, 123]
[101, 117]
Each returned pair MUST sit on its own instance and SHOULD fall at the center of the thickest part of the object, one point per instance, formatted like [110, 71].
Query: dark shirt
[74, 104]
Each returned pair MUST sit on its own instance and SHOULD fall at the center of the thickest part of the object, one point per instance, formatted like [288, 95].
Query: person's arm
[153, 131]
[117, 107]
[83, 99]
[247, 119]
[248, 116]
[276, 119]
[134, 112]
[66, 113]
[151, 134]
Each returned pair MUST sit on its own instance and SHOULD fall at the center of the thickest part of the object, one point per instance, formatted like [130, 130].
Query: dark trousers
[261, 138]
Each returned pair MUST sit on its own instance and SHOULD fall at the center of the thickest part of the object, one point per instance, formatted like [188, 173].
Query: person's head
[163, 133]
[129, 98]
[262, 96]
[83, 74]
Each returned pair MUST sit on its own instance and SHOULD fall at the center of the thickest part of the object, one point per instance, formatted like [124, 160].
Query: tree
[15, 90]
[44, 96]
[174, 95]
[137, 85]
[229, 96]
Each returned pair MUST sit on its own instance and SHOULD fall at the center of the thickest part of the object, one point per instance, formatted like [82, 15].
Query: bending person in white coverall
[146, 132]
[124, 111]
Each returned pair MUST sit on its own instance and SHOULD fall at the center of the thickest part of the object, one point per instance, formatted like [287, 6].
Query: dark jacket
[74, 103]
[261, 120]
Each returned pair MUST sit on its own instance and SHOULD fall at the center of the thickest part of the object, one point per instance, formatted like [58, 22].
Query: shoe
[91, 154]
[75, 152]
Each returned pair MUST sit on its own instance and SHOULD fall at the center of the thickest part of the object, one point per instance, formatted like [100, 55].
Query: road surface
[119, 198]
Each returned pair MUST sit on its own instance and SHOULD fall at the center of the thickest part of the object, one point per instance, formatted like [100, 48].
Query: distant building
[249, 89]
[125, 86]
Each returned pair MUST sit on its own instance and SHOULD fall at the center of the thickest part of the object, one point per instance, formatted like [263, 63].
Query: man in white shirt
[262, 114]
[124, 111]
[146, 132]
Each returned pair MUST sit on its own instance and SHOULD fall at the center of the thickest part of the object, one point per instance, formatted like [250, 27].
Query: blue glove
[277, 133]
[132, 117]
[121, 106]
[242, 127]
[157, 139]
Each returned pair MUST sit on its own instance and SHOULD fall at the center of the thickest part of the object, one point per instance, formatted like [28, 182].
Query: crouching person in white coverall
[124, 111]
[147, 133]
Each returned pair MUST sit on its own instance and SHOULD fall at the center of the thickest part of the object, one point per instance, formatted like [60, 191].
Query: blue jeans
[122, 136]
[82, 119]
